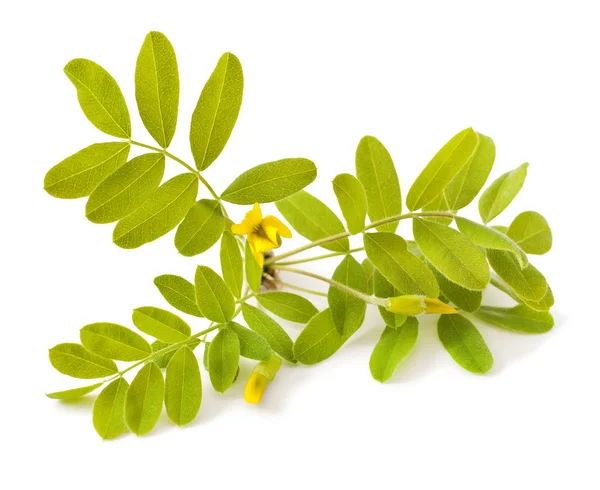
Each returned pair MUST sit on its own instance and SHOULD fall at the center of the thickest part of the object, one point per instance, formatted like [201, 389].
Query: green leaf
[114, 342]
[126, 189]
[490, 238]
[352, 200]
[383, 289]
[270, 330]
[161, 324]
[438, 204]
[183, 387]
[108, 413]
[75, 361]
[527, 283]
[217, 111]
[78, 175]
[319, 340]
[159, 214]
[179, 293]
[531, 232]
[288, 306]
[393, 346]
[519, 318]
[271, 181]
[201, 228]
[223, 359]
[232, 266]
[501, 192]
[157, 87]
[390, 256]
[253, 270]
[205, 355]
[347, 311]
[252, 345]
[369, 269]
[452, 253]
[442, 169]
[543, 304]
[313, 220]
[163, 360]
[73, 393]
[213, 296]
[144, 400]
[470, 180]
[464, 343]
[376, 172]
[465, 299]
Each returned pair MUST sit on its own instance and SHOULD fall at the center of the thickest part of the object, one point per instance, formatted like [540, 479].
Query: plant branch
[320, 257]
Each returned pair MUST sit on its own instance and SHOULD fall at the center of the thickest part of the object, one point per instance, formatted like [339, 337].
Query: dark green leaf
[144, 400]
[75, 361]
[223, 359]
[288, 306]
[161, 324]
[270, 330]
[393, 346]
[464, 343]
[183, 387]
[347, 311]
[213, 297]
[179, 293]
[108, 414]
[201, 228]
[501, 192]
[114, 342]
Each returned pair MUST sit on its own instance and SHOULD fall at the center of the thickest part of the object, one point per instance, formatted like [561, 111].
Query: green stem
[302, 290]
[362, 296]
[320, 257]
[374, 224]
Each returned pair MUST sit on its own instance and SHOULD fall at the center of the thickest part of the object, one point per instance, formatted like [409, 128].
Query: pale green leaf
[438, 204]
[183, 387]
[543, 304]
[73, 393]
[347, 311]
[452, 253]
[114, 342]
[352, 200]
[157, 87]
[162, 361]
[376, 172]
[501, 192]
[76, 361]
[108, 413]
[531, 232]
[384, 289]
[369, 269]
[527, 283]
[100, 97]
[464, 343]
[442, 169]
[288, 306]
[78, 175]
[232, 266]
[253, 270]
[223, 359]
[217, 111]
[179, 293]
[519, 318]
[252, 345]
[126, 189]
[466, 299]
[200, 229]
[270, 330]
[271, 181]
[144, 401]
[313, 220]
[390, 256]
[213, 297]
[490, 238]
[159, 214]
[161, 324]
[393, 346]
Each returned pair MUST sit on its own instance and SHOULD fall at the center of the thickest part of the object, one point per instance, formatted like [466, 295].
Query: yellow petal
[436, 306]
[261, 243]
[255, 388]
[272, 227]
[255, 215]
[258, 256]
[244, 228]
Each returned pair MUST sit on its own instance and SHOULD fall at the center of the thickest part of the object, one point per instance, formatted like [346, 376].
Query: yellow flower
[262, 374]
[417, 305]
[263, 233]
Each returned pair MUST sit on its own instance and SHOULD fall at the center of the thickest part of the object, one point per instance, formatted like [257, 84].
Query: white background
[319, 76]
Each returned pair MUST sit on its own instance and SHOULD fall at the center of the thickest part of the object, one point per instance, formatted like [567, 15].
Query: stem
[374, 224]
[302, 290]
[364, 297]
[320, 257]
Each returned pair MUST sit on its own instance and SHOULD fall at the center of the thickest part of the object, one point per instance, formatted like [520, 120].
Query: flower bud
[262, 374]
[412, 305]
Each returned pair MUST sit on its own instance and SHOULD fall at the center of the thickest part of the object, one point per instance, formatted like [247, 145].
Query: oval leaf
[270, 330]
[452, 253]
[500, 194]
[108, 413]
[369, 269]
[288, 306]
[232, 264]
[352, 200]
[464, 343]
[78, 175]
[73, 393]
[159, 214]
[271, 181]
[161, 324]
[393, 346]
[100, 97]
[217, 111]
[347, 311]
[157, 87]
[519, 318]
[126, 189]
[179, 293]
[465, 299]
[213, 297]
[527, 283]
[313, 220]
[75, 361]
[531, 232]
[183, 387]
[223, 359]
[376, 172]
[144, 400]
[114, 342]
[252, 345]
[201, 228]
